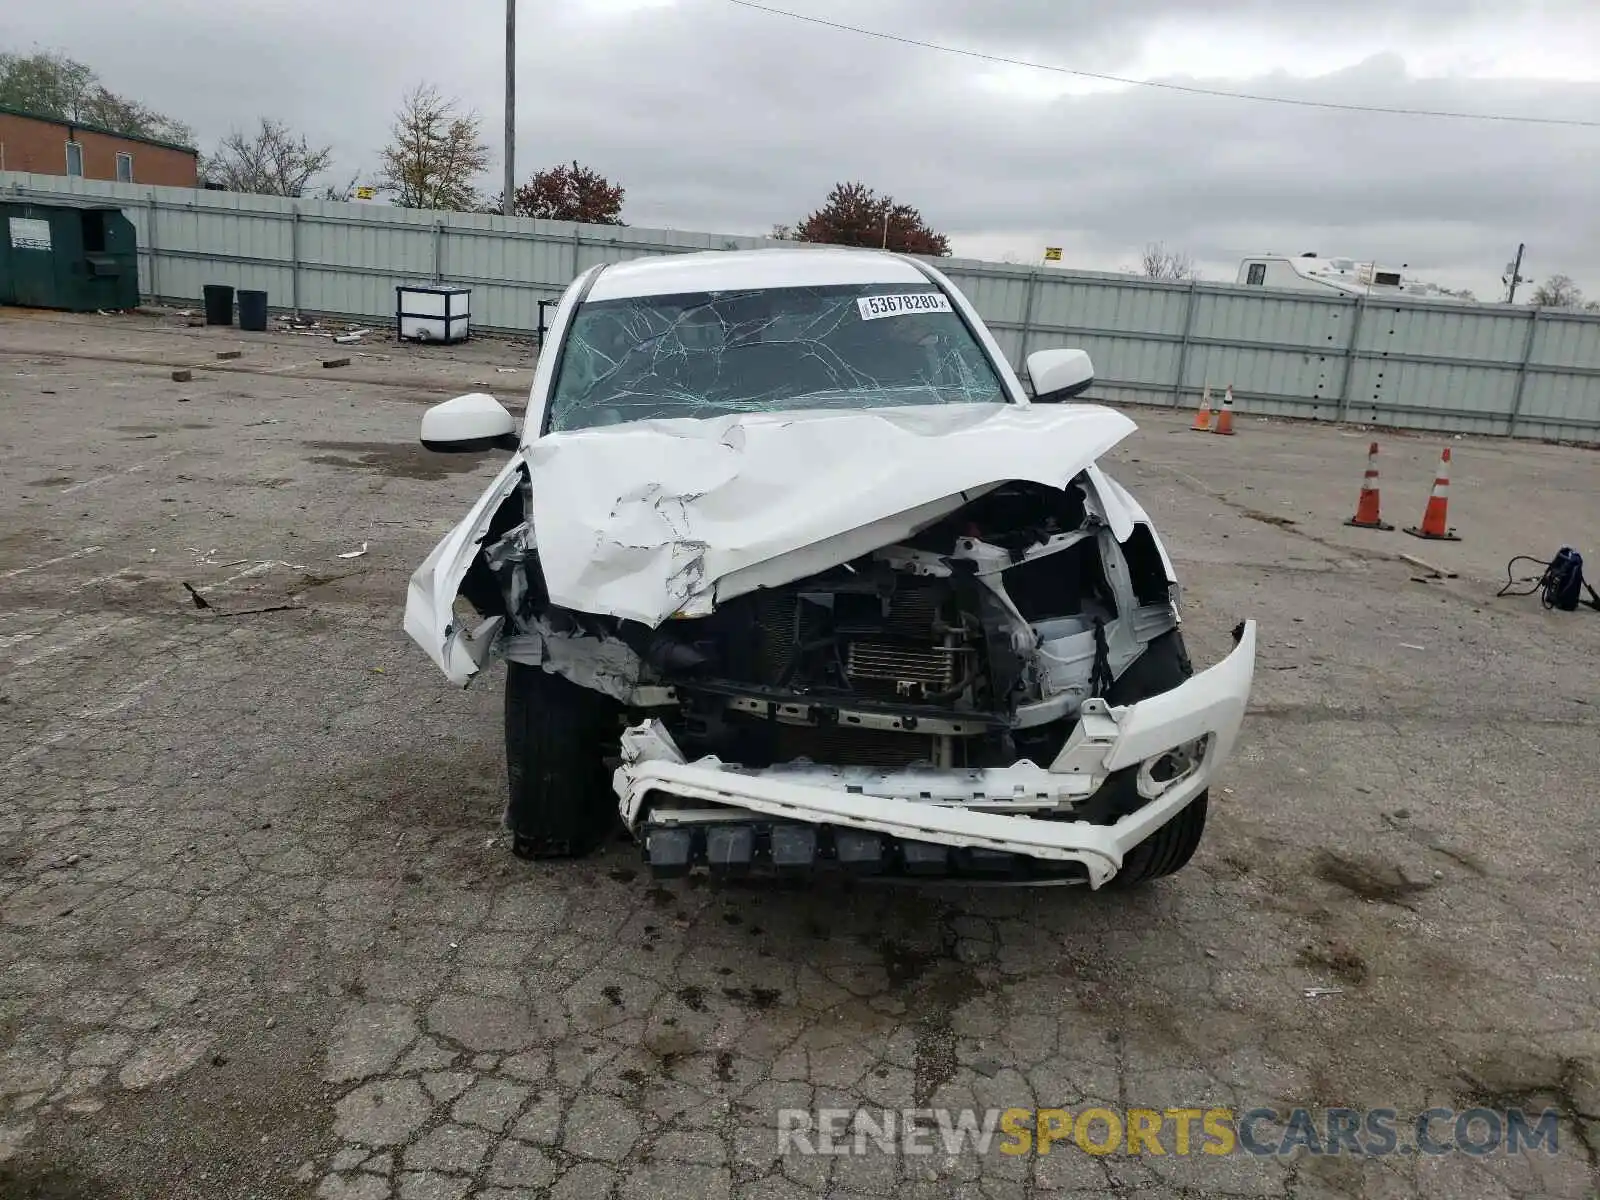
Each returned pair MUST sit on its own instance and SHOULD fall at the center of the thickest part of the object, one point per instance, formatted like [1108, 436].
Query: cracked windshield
[767, 350]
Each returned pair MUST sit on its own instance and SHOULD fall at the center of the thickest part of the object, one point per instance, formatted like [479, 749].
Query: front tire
[560, 803]
[1163, 666]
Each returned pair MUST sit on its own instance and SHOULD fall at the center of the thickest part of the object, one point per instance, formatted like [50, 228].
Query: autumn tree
[52, 85]
[855, 215]
[1157, 262]
[269, 162]
[570, 192]
[436, 155]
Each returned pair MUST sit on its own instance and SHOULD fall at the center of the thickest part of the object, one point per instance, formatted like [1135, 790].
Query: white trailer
[1308, 272]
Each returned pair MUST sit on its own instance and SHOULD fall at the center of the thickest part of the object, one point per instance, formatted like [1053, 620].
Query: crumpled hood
[653, 518]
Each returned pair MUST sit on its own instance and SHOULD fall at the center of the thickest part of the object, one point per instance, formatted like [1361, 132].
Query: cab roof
[734, 270]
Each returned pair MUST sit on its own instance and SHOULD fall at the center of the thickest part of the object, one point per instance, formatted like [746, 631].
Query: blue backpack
[1562, 585]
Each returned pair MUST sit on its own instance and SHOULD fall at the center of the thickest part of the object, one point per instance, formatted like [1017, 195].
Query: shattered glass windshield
[711, 354]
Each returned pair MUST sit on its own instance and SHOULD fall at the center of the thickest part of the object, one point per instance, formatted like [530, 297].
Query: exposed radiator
[913, 670]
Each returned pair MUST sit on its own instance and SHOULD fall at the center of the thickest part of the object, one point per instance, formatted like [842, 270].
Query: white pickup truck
[790, 572]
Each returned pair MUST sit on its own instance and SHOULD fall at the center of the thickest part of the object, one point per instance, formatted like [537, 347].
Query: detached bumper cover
[683, 803]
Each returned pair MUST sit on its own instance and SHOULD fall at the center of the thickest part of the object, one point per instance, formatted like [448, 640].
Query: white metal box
[425, 313]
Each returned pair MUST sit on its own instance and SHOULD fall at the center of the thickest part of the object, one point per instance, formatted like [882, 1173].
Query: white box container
[429, 313]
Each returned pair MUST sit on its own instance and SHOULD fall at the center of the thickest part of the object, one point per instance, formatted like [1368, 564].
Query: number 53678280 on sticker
[873, 307]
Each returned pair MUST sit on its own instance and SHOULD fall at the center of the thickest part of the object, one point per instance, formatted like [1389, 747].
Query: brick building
[47, 146]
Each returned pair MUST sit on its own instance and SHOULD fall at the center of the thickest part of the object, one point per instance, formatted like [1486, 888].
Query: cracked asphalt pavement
[261, 935]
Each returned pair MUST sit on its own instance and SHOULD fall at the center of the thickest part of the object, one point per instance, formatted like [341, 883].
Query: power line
[1154, 83]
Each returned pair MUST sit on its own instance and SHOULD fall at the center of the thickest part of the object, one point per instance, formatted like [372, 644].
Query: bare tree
[1557, 292]
[345, 191]
[270, 162]
[436, 156]
[1158, 262]
[782, 233]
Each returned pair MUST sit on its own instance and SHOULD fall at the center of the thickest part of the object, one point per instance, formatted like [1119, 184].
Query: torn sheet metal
[602, 665]
[657, 518]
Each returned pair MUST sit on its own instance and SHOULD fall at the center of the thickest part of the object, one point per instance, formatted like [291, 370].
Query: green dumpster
[79, 255]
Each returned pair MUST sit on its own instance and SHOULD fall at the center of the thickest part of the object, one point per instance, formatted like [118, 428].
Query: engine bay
[970, 644]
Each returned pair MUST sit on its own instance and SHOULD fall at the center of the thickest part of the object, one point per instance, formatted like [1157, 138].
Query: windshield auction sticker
[873, 307]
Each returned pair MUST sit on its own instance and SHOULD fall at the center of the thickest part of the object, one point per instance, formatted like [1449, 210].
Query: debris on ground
[199, 600]
[1425, 565]
[182, 376]
[343, 332]
[355, 553]
[230, 354]
[1313, 993]
[335, 362]
[270, 608]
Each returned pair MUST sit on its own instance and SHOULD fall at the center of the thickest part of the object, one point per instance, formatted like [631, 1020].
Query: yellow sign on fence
[365, 193]
[1052, 254]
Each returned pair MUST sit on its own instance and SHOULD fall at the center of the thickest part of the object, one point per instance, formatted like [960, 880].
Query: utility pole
[1515, 276]
[508, 202]
[885, 226]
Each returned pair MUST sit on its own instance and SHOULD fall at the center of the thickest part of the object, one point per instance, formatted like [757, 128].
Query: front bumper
[709, 813]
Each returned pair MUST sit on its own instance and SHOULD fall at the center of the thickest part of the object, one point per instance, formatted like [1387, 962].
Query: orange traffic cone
[1202, 419]
[1225, 413]
[1434, 524]
[1367, 506]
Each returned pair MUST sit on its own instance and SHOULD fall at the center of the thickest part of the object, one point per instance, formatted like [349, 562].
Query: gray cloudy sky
[715, 117]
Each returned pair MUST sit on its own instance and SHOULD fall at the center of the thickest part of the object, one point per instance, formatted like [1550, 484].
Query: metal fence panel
[1479, 368]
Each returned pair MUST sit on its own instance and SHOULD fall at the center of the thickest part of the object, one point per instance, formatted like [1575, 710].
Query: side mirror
[1059, 375]
[468, 424]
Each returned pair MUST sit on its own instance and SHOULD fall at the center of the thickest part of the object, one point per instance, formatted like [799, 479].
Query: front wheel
[560, 803]
[1163, 666]
[1167, 850]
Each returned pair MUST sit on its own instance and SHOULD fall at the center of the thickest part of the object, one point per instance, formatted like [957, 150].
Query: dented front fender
[457, 648]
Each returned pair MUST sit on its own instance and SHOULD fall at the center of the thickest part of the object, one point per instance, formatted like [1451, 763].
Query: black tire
[1167, 850]
[1163, 666]
[560, 802]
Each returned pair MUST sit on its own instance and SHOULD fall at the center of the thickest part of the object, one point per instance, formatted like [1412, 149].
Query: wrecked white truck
[787, 567]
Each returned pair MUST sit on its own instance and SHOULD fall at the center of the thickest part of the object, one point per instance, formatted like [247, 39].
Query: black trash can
[219, 304]
[252, 310]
